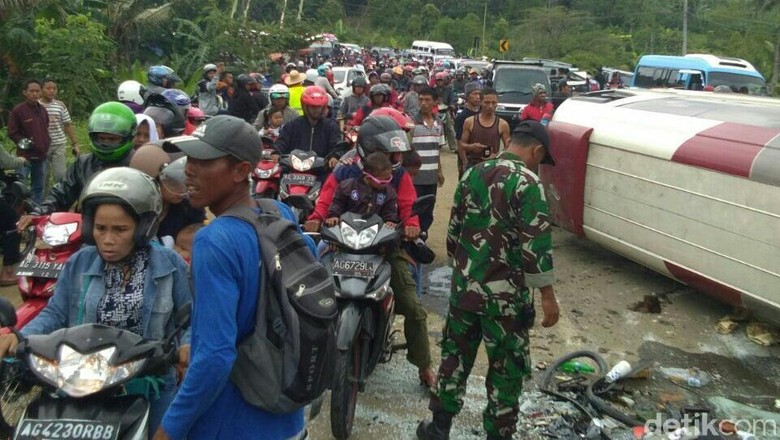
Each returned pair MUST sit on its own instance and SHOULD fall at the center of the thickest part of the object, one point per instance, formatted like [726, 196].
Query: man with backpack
[216, 399]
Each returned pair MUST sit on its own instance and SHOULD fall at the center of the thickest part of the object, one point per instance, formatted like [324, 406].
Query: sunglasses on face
[381, 182]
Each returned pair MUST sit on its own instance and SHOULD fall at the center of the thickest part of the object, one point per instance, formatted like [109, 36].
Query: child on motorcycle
[369, 194]
[274, 119]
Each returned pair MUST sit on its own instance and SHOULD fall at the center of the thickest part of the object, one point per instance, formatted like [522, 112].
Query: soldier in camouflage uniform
[500, 241]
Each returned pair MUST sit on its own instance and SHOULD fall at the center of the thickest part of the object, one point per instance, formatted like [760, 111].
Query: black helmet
[165, 114]
[131, 188]
[244, 79]
[360, 81]
[381, 133]
[380, 89]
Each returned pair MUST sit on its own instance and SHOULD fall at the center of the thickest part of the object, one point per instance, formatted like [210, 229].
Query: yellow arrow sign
[503, 45]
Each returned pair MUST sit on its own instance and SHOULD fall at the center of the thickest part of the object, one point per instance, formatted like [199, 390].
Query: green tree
[77, 56]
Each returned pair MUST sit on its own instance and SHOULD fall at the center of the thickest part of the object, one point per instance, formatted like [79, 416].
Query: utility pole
[300, 10]
[685, 28]
[484, 22]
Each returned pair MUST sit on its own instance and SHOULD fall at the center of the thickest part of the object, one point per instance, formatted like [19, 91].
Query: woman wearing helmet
[322, 80]
[196, 116]
[379, 96]
[177, 213]
[352, 103]
[118, 279]
[131, 93]
[279, 95]
[208, 99]
[382, 134]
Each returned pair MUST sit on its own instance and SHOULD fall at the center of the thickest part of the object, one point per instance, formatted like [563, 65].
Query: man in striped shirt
[427, 139]
[59, 126]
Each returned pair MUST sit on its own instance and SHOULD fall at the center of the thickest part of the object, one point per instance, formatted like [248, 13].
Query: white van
[434, 49]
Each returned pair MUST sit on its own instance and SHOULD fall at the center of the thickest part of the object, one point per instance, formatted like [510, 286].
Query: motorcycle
[53, 239]
[302, 176]
[366, 304]
[267, 174]
[82, 371]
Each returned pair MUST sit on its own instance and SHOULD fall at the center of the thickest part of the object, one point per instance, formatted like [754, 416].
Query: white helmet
[312, 75]
[131, 91]
[278, 89]
[300, 64]
[209, 67]
[329, 64]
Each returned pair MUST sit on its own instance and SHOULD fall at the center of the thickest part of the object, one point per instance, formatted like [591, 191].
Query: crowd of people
[159, 157]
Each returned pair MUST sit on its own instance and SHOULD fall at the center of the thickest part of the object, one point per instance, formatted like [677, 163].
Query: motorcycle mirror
[301, 202]
[183, 315]
[423, 204]
[7, 313]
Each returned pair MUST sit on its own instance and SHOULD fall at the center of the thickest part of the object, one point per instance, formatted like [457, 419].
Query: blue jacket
[81, 285]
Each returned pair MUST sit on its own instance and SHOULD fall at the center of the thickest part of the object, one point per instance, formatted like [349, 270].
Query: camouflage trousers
[507, 347]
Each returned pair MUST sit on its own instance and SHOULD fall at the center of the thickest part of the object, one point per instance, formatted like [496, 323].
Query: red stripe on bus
[728, 147]
[709, 286]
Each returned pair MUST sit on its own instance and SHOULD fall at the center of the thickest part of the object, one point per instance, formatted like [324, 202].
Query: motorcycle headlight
[358, 241]
[79, 374]
[57, 235]
[302, 165]
[265, 174]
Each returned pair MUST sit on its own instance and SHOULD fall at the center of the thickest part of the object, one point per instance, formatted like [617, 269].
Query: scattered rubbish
[650, 304]
[686, 433]
[619, 370]
[777, 403]
[725, 326]
[576, 367]
[692, 377]
[541, 366]
[760, 334]
[625, 400]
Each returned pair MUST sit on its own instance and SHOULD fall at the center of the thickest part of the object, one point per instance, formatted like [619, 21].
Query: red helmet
[314, 96]
[402, 119]
[441, 76]
[196, 114]
[408, 68]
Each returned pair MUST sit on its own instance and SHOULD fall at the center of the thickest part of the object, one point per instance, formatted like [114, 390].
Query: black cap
[221, 136]
[538, 132]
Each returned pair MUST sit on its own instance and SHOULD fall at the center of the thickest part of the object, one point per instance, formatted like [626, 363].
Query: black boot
[438, 429]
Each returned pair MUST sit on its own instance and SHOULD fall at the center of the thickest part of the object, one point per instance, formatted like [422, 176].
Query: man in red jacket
[28, 127]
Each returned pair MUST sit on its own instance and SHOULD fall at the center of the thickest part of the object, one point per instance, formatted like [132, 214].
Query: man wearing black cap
[497, 263]
[221, 154]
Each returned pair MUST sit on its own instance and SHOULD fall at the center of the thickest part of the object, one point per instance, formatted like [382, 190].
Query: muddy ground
[595, 289]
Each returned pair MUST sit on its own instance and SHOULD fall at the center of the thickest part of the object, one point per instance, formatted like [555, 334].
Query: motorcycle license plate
[353, 268]
[299, 179]
[30, 429]
[31, 267]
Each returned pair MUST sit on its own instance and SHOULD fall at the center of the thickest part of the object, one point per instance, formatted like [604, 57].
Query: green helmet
[132, 188]
[114, 118]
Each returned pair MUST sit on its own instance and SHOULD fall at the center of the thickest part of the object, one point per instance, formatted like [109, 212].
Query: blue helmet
[156, 74]
[177, 97]
[322, 70]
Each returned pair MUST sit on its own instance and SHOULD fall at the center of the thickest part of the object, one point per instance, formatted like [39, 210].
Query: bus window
[644, 77]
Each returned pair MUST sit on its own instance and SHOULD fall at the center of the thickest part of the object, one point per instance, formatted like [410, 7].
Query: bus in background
[434, 49]
[697, 71]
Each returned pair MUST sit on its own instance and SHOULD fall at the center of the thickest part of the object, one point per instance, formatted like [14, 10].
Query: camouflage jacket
[499, 235]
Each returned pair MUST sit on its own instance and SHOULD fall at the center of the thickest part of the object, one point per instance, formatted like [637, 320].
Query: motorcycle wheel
[343, 395]
[16, 392]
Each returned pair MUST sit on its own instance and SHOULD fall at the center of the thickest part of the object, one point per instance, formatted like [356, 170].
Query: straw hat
[294, 77]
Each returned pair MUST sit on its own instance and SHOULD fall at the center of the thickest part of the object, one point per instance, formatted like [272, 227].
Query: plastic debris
[760, 334]
[692, 377]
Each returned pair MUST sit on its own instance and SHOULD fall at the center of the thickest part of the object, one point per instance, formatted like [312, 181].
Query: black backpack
[288, 359]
